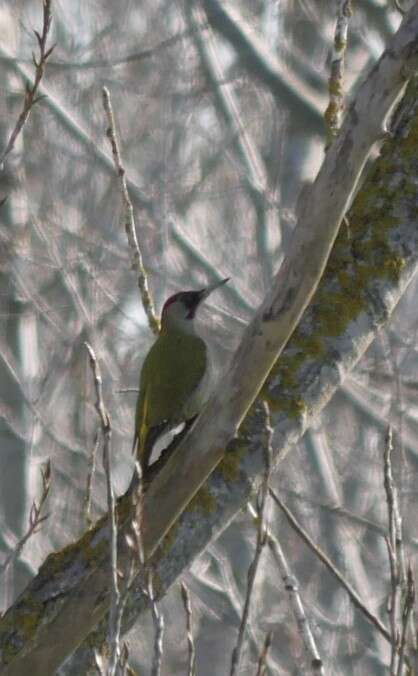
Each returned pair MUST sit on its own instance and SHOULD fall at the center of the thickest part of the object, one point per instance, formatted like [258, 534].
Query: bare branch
[31, 97]
[334, 111]
[114, 625]
[261, 540]
[355, 598]
[408, 607]
[399, 7]
[159, 628]
[262, 660]
[394, 544]
[35, 518]
[191, 669]
[90, 474]
[100, 663]
[137, 262]
[292, 588]
[402, 595]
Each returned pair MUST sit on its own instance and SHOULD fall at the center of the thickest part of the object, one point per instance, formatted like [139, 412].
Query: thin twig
[393, 542]
[137, 262]
[406, 616]
[135, 543]
[90, 474]
[114, 634]
[35, 518]
[292, 588]
[116, 662]
[31, 97]
[159, 628]
[400, 609]
[122, 666]
[137, 525]
[399, 7]
[99, 662]
[356, 600]
[262, 660]
[391, 605]
[392, 498]
[334, 111]
[191, 670]
[261, 539]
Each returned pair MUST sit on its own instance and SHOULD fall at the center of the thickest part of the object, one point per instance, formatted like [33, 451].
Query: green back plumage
[172, 370]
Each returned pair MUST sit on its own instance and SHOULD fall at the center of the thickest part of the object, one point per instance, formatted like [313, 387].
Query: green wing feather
[172, 370]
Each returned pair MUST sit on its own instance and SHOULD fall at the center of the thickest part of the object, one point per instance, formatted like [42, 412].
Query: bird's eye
[192, 299]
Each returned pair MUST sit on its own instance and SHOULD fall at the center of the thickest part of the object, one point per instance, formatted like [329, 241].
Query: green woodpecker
[174, 375]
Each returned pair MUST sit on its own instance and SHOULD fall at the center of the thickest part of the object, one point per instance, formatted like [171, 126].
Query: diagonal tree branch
[293, 288]
[365, 278]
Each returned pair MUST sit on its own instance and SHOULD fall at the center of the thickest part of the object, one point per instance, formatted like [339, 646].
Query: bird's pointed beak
[209, 289]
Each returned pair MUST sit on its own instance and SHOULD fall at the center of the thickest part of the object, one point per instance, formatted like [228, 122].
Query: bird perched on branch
[173, 376]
